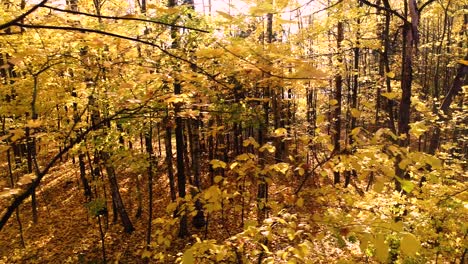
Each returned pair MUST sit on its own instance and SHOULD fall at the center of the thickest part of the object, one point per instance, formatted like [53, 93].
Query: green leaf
[409, 244]
[407, 186]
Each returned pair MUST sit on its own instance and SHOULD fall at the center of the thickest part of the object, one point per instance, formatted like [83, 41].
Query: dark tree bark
[169, 164]
[459, 81]
[151, 162]
[179, 137]
[116, 198]
[337, 97]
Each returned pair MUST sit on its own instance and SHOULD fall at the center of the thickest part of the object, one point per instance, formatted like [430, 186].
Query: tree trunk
[170, 167]
[116, 198]
[338, 95]
[151, 161]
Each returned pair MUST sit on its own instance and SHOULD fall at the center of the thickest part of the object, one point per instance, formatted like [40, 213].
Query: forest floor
[66, 232]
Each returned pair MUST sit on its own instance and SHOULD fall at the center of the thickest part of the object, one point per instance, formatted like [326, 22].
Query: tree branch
[89, 30]
[123, 18]
[328, 7]
[424, 5]
[18, 200]
[391, 11]
[21, 17]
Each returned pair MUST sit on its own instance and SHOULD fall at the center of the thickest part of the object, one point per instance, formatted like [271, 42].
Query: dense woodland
[270, 131]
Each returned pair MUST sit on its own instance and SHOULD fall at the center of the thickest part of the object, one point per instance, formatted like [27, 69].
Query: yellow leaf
[285, 21]
[464, 62]
[378, 186]
[165, 10]
[233, 165]
[270, 148]
[34, 123]
[355, 113]
[409, 244]
[4, 148]
[250, 141]
[391, 75]
[301, 171]
[381, 249]
[355, 131]
[243, 157]
[225, 15]
[306, 71]
[17, 134]
[209, 53]
[146, 254]
[418, 128]
[218, 164]
[279, 132]
[300, 202]
[218, 178]
[188, 258]
[281, 167]
[364, 241]
[391, 95]
[333, 102]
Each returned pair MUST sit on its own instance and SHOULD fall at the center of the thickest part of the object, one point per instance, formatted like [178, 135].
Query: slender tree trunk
[386, 63]
[179, 137]
[460, 80]
[354, 96]
[151, 161]
[337, 97]
[116, 198]
[170, 166]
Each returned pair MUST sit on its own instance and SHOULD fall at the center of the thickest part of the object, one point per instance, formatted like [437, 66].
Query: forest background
[253, 132]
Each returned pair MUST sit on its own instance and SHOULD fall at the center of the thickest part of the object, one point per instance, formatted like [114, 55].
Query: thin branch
[424, 5]
[124, 18]
[268, 73]
[328, 7]
[24, 15]
[18, 200]
[89, 30]
[379, 7]
[312, 171]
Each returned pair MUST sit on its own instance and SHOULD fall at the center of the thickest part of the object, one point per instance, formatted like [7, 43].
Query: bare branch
[24, 15]
[328, 7]
[123, 18]
[18, 200]
[89, 30]
[424, 5]
[379, 7]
